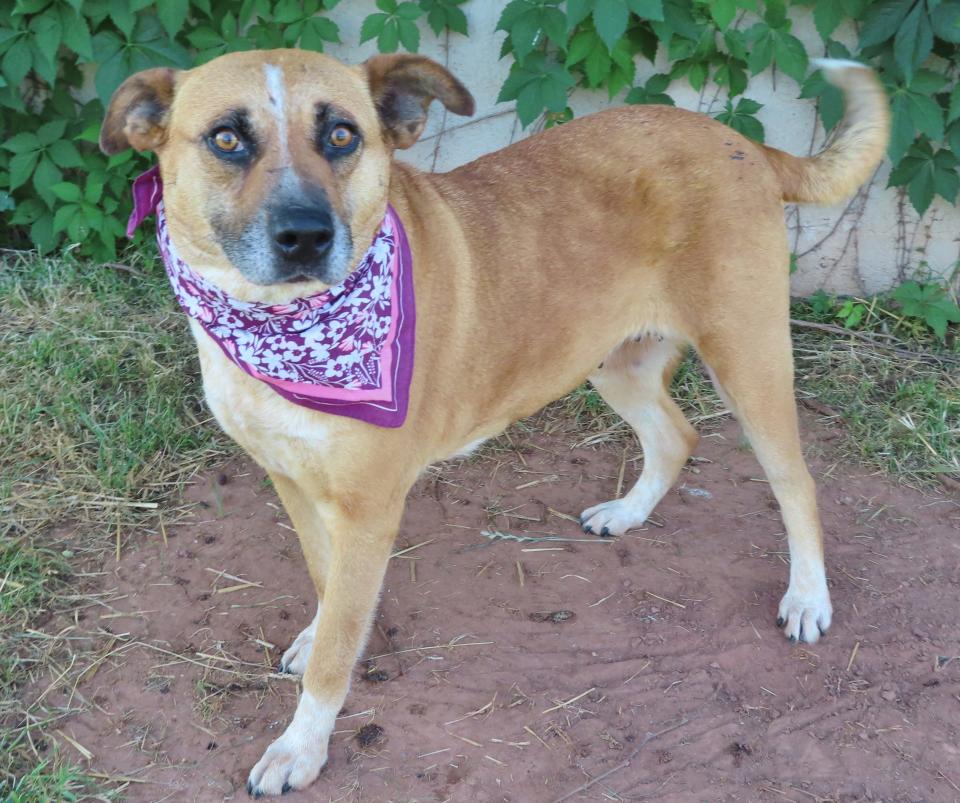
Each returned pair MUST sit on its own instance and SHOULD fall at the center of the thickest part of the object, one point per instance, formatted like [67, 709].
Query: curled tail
[836, 172]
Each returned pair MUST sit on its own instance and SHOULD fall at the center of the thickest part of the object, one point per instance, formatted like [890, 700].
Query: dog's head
[277, 163]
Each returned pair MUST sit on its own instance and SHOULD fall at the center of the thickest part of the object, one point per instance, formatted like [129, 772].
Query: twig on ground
[625, 763]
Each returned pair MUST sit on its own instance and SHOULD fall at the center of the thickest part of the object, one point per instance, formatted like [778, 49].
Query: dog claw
[605, 532]
[588, 529]
[781, 621]
[286, 788]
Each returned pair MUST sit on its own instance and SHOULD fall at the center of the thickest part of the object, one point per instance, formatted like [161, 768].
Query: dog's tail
[836, 172]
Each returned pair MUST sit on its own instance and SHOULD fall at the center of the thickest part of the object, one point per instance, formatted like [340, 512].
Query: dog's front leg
[360, 535]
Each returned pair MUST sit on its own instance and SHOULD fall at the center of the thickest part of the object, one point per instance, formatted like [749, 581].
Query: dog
[599, 249]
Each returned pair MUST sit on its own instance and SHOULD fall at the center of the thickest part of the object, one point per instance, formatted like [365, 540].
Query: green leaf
[577, 12]
[945, 21]
[827, 16]
[65, 154]
[443, 14]
[21, 168]
[952, 136]
[928, 302]
[372, 27]
[44, 177]
[17, 61]
[761, 54]
[536, 84]
[66, 191]
[926, 114]
[409, 11]
[610, 19]
[902, 129]
[172, 14]
[76, 34]
[24, 142]
[409, 34]
[913, 41]
[389, 39]
[882, 21]
[47, 33]
[317, 31]
[790, 55]
[122, 16]
[926, 174]
[740, 118]
[647, 9]
[42, 234]
[723, 12]
[51, 132]
[954, 111]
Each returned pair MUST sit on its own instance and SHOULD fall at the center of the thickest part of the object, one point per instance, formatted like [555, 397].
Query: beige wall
[865, 246]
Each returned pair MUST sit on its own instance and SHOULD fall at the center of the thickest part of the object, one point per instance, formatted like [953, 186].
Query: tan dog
[612, 241]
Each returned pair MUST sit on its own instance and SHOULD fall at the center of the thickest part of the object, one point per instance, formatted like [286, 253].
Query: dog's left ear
[403, 86]
[136, 116]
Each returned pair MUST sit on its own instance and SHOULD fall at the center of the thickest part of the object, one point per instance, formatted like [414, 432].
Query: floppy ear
[137, 114]
[403, 86]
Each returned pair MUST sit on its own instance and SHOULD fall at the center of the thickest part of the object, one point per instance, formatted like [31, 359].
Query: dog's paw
[805, 616]
[295, 759]
[294, 660]
[611, 518]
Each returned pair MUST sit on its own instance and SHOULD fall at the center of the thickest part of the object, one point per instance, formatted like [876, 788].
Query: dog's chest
[279, 435]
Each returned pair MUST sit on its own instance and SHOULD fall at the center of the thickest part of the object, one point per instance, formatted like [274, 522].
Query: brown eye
[226, 140]
[341, 137]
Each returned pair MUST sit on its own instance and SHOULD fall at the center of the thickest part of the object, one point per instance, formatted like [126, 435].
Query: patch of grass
[898, 414]
[100, 424]
[52, 780]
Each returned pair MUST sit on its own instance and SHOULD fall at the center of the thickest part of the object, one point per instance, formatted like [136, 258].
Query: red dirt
[671, 624]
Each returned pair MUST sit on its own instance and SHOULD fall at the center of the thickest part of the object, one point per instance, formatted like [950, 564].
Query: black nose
[302, 235]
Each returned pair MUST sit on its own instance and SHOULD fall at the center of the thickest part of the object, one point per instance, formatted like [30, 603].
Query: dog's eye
[341, 136]
[226, 140]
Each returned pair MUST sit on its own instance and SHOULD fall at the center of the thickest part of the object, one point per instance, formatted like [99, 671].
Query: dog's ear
[137, 114]
[403, 86]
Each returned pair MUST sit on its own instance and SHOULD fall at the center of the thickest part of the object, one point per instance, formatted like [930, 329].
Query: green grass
[100, 409]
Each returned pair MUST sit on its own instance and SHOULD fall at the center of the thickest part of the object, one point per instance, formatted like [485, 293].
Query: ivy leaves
[395, 24]
[770, 41]
[926, 173]
[741, 118]
[535, 85]
[930, 303]
[121, 54]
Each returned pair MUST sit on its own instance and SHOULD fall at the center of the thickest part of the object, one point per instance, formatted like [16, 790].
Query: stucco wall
[864, 246]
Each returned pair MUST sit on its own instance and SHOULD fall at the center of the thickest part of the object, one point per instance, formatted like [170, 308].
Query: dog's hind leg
[751, 363]
[634, 380]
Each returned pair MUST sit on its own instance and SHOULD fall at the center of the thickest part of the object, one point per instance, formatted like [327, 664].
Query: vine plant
[55, 185]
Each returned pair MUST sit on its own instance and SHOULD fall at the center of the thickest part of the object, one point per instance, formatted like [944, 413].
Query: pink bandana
[347, 350]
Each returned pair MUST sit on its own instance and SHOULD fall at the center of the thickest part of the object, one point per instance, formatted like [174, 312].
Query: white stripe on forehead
[275, 93]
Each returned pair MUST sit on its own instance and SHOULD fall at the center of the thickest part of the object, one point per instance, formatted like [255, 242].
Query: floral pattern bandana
[347, 350]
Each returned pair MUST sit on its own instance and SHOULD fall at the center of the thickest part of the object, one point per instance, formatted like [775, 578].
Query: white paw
[612, 518]
[294, 660]
[295, 759]
[805, 615]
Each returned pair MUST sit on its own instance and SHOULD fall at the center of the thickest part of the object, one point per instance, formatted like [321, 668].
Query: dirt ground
[520, 671]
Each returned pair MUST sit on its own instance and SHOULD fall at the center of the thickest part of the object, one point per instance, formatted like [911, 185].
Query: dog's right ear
[137, 114]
